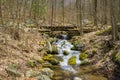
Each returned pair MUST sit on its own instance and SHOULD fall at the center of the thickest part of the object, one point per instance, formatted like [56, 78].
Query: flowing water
[69, 72]
[64, 45]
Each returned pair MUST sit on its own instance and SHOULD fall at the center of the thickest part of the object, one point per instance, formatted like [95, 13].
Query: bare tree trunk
[113, 22]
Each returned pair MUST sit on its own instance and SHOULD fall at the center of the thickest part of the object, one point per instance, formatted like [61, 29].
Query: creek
[65, 71]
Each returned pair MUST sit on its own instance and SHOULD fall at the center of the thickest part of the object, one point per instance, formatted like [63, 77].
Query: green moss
[66, 52]
[83, 56]
[47, 57]
[40, 60]
[31, 63]
[42, 43]
[51, 59]
[104, 31]
[72, 60]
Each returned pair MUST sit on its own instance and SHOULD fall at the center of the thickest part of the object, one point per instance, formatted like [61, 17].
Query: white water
[64, 45]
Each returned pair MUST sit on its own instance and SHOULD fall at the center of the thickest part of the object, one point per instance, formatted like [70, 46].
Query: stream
[64, 45]
[72, 72]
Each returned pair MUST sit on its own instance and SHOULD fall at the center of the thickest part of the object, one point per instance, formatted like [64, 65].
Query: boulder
[51, 59]
[72, 60]
[66, 52]
[83, 56]
[48, 72]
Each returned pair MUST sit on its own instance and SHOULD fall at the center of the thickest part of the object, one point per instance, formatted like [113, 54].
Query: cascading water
[64, 45]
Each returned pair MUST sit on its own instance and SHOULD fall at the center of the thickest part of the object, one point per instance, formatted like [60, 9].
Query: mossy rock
[72, 60]
[51, 59]
[47, 65]
[47, 57]
[103, 32]
[54, 49]
[54, 61]
[66, 52]
[75, 43]
[31, 63]
[84, 63]
[43, 43]
[83, 56]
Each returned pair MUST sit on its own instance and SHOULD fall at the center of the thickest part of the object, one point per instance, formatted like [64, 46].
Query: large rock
[49, 47]
[72, 60]
[43, 77]
[48, 72]
[51, 59]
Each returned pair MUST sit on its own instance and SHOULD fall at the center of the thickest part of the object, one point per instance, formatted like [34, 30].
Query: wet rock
[72, 60]
[66, 52]
[31, 73]
[47, 72]
[77, 78]
[43, 77]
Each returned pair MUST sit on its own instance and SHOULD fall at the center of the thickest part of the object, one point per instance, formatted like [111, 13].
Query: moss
[47, 57]
[42, 43]
[75, 43]
[54, 61]
[40, 60]
[83, 56]
[66, 52]
[51, 59]
[104, 31]
[72, 60]
[31, 63]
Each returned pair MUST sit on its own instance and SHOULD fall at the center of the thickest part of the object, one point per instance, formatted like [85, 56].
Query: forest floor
[20, 52]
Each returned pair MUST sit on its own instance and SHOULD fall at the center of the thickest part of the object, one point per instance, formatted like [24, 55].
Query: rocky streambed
[70, 62]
